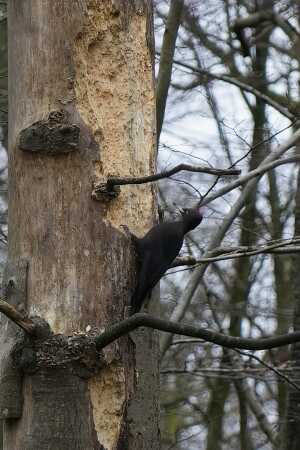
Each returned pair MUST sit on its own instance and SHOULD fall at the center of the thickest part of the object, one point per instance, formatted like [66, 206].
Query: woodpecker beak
[201, 213]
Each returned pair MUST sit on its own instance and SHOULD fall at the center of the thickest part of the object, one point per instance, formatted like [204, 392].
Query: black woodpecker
[158, 249]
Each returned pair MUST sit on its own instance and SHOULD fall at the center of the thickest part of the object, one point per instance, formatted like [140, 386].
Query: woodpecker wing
[159, 251]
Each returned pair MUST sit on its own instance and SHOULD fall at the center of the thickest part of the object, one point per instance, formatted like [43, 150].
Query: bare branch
[258, 411]
[18, 318]
[250, 175]
[168, 173]
[166, 60]
[145, 320]
[286, 26]
[252, 20]
[240, 84]
[281, 247]
[35, 327]
[190, 288]
[108, 186]
[271, 368]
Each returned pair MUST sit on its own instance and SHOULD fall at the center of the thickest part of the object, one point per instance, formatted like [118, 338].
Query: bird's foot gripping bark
[134, 239]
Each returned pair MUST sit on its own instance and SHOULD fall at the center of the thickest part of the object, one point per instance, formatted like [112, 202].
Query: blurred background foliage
[228, 95]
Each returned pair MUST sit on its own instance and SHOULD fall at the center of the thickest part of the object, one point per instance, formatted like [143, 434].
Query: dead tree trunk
[81, 107]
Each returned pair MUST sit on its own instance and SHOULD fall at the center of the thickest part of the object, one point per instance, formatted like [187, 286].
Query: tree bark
[82, 72]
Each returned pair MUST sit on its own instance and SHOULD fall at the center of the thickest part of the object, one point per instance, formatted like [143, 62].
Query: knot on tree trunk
[75, 353]
[52, 136]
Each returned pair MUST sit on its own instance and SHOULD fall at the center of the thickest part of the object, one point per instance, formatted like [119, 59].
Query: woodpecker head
[191, 217]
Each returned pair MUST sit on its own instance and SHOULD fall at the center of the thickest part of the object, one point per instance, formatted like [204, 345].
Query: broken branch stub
[105, 191]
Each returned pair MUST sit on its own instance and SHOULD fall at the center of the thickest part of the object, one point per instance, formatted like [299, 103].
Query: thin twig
[271, 368]
[260, 170]
[119, 181]
[251, 149]
[240, 84]
[222, 253]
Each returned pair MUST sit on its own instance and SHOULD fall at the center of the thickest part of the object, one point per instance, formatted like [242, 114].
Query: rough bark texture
[92, 60]
[14, 287]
